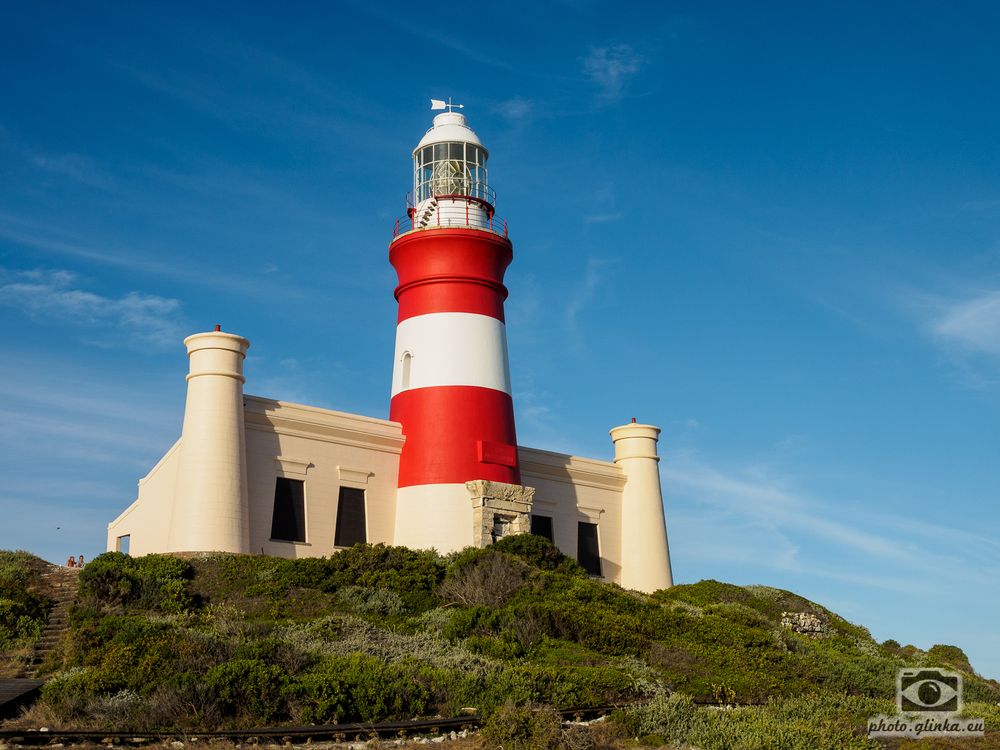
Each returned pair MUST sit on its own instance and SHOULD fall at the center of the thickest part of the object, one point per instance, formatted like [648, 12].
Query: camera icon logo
[928, 691]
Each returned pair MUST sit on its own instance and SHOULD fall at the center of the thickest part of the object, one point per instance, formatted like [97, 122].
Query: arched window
[407, 359]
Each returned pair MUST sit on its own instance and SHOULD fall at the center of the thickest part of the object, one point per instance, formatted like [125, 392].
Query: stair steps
[62, 586]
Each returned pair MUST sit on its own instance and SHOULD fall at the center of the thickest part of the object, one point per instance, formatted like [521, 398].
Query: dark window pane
[542, 526]
[587, 552]
[289, 520]
[350, 518]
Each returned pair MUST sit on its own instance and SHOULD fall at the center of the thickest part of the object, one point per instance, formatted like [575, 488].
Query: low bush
[809, 722]
[23, 612]
[488, 580]
[523, 728]
[114, 579]
[251, 689]
[539, 553]
[362, 688]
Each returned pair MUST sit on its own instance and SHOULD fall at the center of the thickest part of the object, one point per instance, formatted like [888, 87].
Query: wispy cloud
[586, 290]
[602, 218]
[515, 110]
[27, 233]
[760, 516]
[135, 318]
[972, 323]
[611, 68]
[77, 167]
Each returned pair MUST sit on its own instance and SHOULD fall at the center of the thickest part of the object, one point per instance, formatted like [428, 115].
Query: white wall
[571, 489]
[327, 450]
[147, 520]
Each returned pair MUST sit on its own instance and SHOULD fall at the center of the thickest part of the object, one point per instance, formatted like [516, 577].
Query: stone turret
[645, 554]
[210, 512]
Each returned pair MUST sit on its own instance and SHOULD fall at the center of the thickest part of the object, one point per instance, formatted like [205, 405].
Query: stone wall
[498, 510]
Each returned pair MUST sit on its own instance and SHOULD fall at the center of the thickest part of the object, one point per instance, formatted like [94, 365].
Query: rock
[439, 738]
[177, 745]
[805, 623]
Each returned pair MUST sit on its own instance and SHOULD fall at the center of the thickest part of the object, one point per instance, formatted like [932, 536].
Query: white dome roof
[450, 127]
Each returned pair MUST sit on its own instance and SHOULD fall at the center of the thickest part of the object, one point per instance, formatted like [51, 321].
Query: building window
[407, 363]
[588, 554]
[288, 524]
[350, 518]
[542, 526]
[122, 543]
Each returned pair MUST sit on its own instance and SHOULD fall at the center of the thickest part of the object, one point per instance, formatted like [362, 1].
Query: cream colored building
[253, 475]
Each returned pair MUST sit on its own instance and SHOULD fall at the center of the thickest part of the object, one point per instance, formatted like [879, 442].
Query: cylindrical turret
[645, 553]
[210, 509]
[451, 382]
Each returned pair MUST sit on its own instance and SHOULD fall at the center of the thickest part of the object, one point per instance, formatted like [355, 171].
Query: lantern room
[450, 177]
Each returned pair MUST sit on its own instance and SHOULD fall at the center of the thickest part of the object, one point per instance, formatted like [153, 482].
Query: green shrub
[23, 612]
[671, 717]
[538, 552]
[522, 728]
[949, 656]
[150, 582]
[250, 688]
[490, 579]
[373, 602]
[809, 722]
[362, 688]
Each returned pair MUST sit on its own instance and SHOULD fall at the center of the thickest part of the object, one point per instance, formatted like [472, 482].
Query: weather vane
[441, 104]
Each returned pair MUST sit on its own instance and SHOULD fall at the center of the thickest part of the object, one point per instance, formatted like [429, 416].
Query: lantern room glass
[450, 169]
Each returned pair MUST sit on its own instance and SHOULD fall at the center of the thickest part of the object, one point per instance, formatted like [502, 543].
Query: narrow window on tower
[542, 526]
[288, 523]
[407, 362]
[350, 518]
[588, 554]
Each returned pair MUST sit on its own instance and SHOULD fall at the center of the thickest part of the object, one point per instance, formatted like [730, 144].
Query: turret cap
[449, 127]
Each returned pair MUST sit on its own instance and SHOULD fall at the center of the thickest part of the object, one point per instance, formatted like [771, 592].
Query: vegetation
[375, 633]
[23, 610]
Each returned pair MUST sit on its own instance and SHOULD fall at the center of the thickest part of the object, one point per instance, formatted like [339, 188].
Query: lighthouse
[451, 379]
[445, 471]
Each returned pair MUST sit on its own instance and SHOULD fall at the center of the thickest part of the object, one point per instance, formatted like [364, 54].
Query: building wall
[328, 450]
[571, 489]
[147, 520]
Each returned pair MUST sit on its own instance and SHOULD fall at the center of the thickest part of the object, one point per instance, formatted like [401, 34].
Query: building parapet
[322, 424]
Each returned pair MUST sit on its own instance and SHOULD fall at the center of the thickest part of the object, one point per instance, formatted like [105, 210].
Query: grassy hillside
[376, 632]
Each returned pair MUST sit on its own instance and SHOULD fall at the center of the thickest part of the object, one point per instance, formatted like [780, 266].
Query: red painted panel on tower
[496, 453]
[450, 270]
[444, 426]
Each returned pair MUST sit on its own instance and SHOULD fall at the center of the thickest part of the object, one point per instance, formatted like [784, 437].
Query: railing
[450, 211]
[453, 187]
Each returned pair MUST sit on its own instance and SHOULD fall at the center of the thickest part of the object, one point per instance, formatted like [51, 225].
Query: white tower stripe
[451, 349]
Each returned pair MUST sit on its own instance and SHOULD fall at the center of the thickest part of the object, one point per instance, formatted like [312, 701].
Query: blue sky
[772, 229]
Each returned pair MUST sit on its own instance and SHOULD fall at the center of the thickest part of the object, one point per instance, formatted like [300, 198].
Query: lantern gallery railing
[460, 212]
[453, 186]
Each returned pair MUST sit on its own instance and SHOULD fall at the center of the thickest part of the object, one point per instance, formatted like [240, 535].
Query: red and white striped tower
[451, 379]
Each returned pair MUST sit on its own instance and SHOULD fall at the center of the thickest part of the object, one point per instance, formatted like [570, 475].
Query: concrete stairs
[61, 586]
